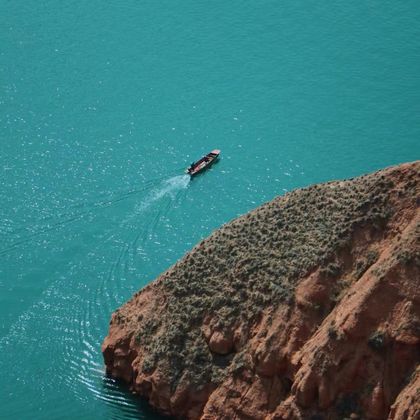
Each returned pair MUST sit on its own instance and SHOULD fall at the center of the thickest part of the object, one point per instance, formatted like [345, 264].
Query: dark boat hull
[204, 163]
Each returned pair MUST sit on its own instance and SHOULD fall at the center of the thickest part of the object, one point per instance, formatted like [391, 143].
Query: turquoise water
[103, 102]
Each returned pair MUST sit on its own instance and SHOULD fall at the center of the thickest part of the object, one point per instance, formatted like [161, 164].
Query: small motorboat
[203, 163]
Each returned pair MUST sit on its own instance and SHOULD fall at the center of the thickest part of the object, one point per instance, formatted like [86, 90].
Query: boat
[204, 163]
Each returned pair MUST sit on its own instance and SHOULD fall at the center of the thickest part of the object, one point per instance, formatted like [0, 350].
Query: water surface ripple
[102, 106]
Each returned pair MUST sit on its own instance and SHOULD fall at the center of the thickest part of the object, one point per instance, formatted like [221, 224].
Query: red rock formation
[307, 307]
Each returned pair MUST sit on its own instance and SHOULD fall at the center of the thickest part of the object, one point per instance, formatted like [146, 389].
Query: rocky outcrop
[307, 307]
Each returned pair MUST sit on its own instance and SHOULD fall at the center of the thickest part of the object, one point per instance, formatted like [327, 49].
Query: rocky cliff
[306, 308]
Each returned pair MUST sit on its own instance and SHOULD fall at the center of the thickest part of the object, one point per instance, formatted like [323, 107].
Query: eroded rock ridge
[306, 307]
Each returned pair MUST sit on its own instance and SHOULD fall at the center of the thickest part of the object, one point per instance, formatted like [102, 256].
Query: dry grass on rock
[215, 314]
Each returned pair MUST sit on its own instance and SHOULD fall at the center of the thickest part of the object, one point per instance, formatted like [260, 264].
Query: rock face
[307, 307]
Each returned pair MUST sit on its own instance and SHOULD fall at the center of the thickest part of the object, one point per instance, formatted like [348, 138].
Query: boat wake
[78, 211]
[134, 233]
[78, 302]
[168, 187]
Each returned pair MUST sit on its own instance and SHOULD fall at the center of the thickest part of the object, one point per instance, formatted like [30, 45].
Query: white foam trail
[168, 187]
